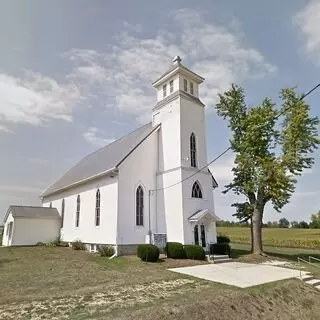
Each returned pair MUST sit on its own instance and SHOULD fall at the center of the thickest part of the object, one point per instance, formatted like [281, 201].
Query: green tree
[315, 221]
[284, 223]
[272, 147]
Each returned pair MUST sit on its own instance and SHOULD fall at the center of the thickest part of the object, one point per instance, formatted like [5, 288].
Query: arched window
[62, 212]
[196, 190]
[203, 235]
[196, 235]
[193, 150]
[139, 206]
[78, 211]
[98, 208]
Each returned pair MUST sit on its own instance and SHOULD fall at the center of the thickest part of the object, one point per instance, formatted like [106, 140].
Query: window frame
[196, 192]
[77, 222]
[139, 210]
[193, 150]
[164, 90]
[196, 234]
[185, 85]
[191, 88]
[171, 84]
[62, 212]
[98, 209]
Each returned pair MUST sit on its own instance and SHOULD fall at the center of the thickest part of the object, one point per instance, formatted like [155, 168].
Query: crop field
[277, 237]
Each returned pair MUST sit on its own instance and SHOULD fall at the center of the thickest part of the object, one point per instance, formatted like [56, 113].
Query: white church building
[147, 186]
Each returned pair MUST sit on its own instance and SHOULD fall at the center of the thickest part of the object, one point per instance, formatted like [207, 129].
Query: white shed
[27, 225]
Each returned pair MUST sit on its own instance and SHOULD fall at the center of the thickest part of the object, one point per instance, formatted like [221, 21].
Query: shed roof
[103, 160]
[32, 212]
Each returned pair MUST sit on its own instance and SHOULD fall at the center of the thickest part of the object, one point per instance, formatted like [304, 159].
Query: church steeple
[177, 79]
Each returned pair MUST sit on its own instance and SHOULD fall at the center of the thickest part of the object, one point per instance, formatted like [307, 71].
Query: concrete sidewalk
[238, 274]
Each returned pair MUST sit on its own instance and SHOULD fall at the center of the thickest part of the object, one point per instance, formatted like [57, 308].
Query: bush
[148, 252]
[223, 239]
[63, 244]
[56, 242]
[40, 243]
[175, 250]
[194, 252]
[220, 248]
[78, 245]
[106, 251]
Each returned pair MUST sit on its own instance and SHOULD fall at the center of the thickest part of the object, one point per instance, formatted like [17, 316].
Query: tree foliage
[315, 221]
[272, 146]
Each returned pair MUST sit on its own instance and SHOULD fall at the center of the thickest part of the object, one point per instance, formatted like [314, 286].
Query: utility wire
[225, 151]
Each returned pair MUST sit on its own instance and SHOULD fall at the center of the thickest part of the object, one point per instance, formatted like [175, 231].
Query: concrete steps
[218, 258]
[311, 281]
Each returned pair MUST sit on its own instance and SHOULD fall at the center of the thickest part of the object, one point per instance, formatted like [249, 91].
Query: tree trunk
[251, 233]
[257, 230]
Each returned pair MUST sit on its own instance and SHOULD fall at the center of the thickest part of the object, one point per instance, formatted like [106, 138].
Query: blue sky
[75, 75]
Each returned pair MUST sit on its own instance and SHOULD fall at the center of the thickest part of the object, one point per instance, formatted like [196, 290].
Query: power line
[226, 150]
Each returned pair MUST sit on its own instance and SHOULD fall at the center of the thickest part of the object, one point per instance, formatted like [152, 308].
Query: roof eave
[99, 175]
[198, 79]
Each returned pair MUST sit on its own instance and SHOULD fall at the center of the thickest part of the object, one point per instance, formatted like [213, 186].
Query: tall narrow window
[164, 89]
[50, 204]
[191, 88]
[185, 85]
[193, 150]
[62, 212]
[196, 190]
[78, 211]
[139, 206]
[171, 86]
[98, 208]
[203, 235]
[196, 235]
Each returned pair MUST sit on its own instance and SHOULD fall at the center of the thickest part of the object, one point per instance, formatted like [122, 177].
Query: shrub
[56, 242]
[78, 245]
[40, 243]
[194, 252]
[148, 252]
[106, 251]
[175, 250]
[220, 248]
[63, 244]
[223, 239]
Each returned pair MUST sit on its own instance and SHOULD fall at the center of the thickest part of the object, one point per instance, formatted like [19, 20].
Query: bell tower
[182, 150]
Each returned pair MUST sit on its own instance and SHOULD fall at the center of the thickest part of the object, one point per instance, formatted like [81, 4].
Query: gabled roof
[102, 161]
[32, 212]
[200, 214]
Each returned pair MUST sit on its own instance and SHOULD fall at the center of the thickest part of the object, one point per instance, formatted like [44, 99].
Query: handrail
[299, 261]
[313, 258]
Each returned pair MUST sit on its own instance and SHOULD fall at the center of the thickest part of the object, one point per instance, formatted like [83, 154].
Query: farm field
[59, 283]
[278, 237]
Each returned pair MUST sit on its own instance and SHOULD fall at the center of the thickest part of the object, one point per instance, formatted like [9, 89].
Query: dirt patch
[129, 296]
[285, 300]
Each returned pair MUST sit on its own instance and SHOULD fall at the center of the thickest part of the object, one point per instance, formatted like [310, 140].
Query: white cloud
[124, 73]
[92, 137]
[308, 22]
[5, 129]
[35, 99]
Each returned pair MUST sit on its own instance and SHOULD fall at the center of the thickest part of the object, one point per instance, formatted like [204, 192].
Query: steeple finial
[176, 60]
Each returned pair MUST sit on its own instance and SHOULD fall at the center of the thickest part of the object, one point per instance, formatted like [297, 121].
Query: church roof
[32, 212]
[103, 160]
[200, 214]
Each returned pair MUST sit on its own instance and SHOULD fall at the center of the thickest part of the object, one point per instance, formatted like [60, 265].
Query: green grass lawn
[59, 283]
[296, 238]
[291, 254]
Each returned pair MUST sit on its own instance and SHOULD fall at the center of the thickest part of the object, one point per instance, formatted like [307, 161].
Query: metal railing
[315, 259]
[309, 261]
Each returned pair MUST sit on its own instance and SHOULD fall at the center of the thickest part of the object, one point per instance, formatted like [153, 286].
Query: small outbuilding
[28, 225]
